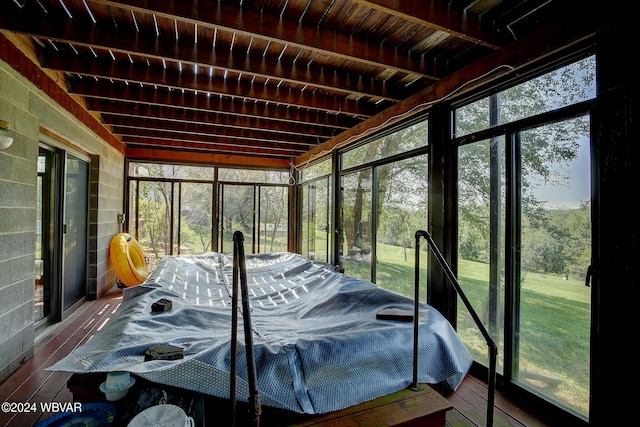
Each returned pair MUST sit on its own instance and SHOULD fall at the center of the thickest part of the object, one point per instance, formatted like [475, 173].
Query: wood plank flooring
[31, 383]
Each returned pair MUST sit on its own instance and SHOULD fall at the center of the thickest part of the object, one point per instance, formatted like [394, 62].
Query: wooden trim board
[404, 408]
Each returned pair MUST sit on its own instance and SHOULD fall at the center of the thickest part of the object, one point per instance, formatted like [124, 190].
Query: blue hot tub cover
[317, 342]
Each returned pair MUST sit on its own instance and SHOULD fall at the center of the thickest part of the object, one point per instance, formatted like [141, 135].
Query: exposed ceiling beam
[209, 146]
[174, 79]
[137, 126]
[214, 81]
[188, 100]
[216, 119]
[267, 26]
[517, 56]
[177, 156]
[437, 15]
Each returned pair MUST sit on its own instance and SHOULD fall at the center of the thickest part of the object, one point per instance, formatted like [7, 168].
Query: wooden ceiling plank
[135, 93]
[137, 125]
[170, 77]
[271, 27]
[437, 16]
[212, 159]
[216, 119]
[229, 146]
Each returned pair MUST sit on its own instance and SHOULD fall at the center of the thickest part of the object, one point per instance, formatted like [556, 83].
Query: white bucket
[164, 415]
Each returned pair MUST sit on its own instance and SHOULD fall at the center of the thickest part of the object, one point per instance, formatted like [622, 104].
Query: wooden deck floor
[33, 384]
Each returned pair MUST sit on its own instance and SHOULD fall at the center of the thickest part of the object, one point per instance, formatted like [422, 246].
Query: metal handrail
[240, 273]
[493, 348]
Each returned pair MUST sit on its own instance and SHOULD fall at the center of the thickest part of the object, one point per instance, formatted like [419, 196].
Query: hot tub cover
[317, 343]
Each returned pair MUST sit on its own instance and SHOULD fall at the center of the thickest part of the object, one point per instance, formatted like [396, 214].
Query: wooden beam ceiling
[277, 80]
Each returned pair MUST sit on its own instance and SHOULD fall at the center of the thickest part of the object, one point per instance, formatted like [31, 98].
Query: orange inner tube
[128, 259]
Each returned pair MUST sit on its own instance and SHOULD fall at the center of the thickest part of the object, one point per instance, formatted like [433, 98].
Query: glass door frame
[221, 209]
[49, 211]
[53, 226]
[83, 233]
[256, 221]
[309, 193]
[512, 239]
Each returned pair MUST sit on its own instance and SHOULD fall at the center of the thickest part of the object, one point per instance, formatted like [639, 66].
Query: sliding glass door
[316, 220]
[75, 231]
[237, 210]
[45, 212]
[62, 233]
[552, 350]
[195, 219]
[525, 231]
[260, 212]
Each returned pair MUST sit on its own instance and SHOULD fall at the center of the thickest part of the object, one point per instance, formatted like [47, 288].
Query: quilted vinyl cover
[317, 343]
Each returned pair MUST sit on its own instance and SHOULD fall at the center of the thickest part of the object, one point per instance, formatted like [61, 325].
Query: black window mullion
[512, 254]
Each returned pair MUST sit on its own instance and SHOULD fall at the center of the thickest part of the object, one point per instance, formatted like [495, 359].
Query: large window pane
[555, 254]
[315, 213]
[481, 217]
[154, 219]
[273, 219]
[562, 87]
[237, 214]
[402, 210]
[316, 170]
[400, 141]
[196, 208]
[356, 224]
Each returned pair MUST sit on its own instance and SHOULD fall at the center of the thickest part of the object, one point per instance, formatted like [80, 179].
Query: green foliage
[560, 242]
[161, 187]
[552, 318]
[554, 321]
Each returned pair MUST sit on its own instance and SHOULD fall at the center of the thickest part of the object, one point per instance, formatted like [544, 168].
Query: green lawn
[554, 321]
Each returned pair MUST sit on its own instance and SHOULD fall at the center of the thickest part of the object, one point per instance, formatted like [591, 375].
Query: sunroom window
[524, 230]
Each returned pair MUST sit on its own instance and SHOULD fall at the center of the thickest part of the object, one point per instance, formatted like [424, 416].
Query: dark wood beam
[127, 126]
[216, 119]
[189, 100]
[438, 16]
[253, 23]
[220, 159]
[266, 67]
[216, 85]
[204, 146]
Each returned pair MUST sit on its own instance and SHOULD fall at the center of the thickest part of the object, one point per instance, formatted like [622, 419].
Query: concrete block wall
[17, 224]
[107, 184]
[27, 109]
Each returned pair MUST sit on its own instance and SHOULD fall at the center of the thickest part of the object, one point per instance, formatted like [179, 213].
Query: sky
[577, 190]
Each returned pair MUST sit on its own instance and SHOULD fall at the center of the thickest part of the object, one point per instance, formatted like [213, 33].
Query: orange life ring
[128, 259]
